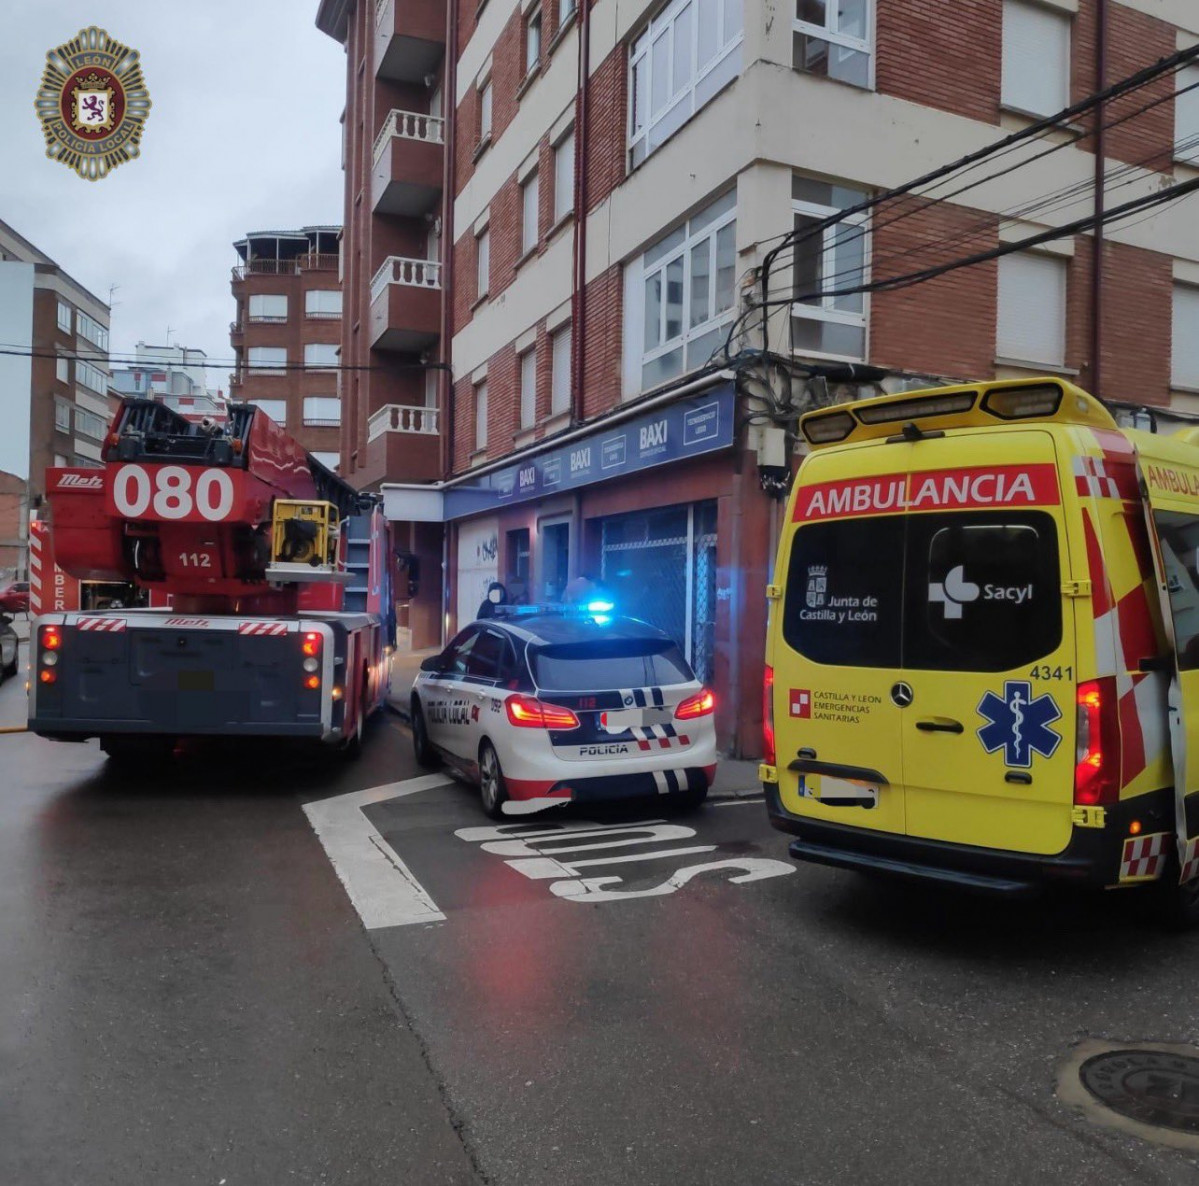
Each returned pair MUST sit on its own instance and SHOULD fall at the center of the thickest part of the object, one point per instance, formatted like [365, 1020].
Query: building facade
[603, 390]
[177, 376]
[54, 381]
[286, 337]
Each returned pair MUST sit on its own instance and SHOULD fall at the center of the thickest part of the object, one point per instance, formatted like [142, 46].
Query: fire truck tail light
[312, 643]
[1097, 757]
[702, 704]
[47, 676]
[312, 682]
[527, 712]
[51, 638]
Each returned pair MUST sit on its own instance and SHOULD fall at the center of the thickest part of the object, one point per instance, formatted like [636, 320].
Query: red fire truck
[269, 579]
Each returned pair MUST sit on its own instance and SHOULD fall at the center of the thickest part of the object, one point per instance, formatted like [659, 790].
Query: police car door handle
[939, 725]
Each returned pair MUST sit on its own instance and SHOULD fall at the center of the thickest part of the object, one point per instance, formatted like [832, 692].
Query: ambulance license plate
[838, 792]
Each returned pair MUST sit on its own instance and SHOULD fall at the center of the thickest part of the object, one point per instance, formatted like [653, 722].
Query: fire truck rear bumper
[80, 729]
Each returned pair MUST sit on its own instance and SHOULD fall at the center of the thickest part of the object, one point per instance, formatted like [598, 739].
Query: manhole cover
[1150, 1086]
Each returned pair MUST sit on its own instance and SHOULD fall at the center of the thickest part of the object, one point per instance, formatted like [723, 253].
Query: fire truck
[269, 586]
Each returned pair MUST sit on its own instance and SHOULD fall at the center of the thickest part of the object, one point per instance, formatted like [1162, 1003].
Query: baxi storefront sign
[689, 428]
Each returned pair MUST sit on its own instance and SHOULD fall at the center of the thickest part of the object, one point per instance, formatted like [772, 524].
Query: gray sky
[243, 135]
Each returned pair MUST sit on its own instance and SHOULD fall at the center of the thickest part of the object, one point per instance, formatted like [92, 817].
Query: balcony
[312, 262]
[409, 38]
[405, 304]
[407, 164]
[237, 334]
[401, 445]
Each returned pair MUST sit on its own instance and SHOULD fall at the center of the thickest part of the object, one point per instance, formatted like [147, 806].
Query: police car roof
[549, 627]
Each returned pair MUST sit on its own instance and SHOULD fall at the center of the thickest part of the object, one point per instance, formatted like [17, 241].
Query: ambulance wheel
[1179, 904]
[422, 747]
[491, 782]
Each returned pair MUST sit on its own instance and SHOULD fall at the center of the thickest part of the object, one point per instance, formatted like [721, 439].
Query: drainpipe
[449, 174]
[579, 279]
[1099, 203]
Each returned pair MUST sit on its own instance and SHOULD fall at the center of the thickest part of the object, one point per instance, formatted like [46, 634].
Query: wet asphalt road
[187, 995]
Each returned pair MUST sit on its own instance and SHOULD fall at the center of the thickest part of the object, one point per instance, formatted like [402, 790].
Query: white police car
[545, 706]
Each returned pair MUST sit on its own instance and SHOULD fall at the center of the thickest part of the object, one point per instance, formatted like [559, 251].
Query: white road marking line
[380, 886]
[734, 802]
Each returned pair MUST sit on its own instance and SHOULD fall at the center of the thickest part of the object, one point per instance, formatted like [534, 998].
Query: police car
[541, 706]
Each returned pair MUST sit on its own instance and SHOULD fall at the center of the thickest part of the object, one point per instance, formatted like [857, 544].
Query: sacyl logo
[653, 436]
[954, 593]
[80, 482]
[580, 459]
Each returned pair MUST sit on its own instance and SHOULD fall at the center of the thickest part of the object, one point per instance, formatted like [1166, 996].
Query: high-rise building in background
[556, 222]
[177, 376]
[287, 334]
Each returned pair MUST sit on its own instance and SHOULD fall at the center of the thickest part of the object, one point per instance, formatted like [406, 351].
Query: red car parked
[14, 597]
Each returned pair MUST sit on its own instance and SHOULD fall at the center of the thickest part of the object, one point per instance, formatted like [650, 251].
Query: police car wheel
[422, 747]
[491, 782]
[11, 669]
[690, 800]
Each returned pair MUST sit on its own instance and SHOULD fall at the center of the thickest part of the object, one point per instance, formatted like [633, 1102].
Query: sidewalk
[735, 779]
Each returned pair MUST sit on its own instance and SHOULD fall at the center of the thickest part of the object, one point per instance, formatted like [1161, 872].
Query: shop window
[555, 561]
[518, 574]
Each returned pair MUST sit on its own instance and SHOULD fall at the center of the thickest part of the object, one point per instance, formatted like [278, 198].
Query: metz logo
[80, 482]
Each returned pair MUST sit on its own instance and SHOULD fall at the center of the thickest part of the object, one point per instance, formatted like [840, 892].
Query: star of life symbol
[1018, 723]
[954, 592]
[817, 585]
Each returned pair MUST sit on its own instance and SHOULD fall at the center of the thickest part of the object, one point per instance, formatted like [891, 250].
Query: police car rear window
[607, 664]
[952, 592]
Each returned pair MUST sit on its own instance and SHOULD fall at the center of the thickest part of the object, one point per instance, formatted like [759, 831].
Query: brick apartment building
[54, 384]
[287, 332]
[555, 214]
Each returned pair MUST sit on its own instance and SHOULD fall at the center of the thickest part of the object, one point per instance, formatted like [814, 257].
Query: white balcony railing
[412, 273]
[408, 125]
[402, 418]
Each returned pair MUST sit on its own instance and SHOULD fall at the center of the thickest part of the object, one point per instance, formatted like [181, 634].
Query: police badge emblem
[93, 103]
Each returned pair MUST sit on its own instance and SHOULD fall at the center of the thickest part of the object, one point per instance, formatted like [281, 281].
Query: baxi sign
[689, 428]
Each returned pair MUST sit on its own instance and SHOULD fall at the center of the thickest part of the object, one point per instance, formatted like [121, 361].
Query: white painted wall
[16, 379]
[478, 564]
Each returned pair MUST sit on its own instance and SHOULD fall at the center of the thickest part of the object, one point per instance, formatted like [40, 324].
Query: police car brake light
[827, 429]
[924, 405]
[526, 712]
[1021, 403]
[702, 704]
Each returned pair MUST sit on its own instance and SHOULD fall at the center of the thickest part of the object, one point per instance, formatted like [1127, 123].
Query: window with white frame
[62, 370]
[64, 317]
[564, 176]
[679, 296]
[483, 262]
[689, 52]
[322, 303]
[1032, 309]
[528, 388]
[89, 328]
[268, 360]
[1184, 369]
[322, 411]
[533, 41]
[320, 356]
[328, 459]
[1186, 116]
[566, 9]
[530, 206]
[62, 416]
[827, 259]
[481, 416]
[276, 409]
[91, 377]
[88, 424]
[485, 112]
[560, 371]
[268, 306]
[833, 38]
[1036, 58]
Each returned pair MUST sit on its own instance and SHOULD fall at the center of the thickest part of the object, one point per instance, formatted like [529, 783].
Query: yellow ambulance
[983, 649]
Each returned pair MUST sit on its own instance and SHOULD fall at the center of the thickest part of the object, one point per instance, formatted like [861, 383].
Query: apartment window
[60, 459]
[89, 328]
[62, 370]
[1032, 309]
[329, 460]
[268, 306]
[1185, 365]
[564, 177]
[64, 317]
[62, 416]
[481, 416]
[560, 379]
[533, 41]
[528, 388]
[322, 411]
[827, 259]
[91, 377]
[322, 303]
[682, 60]
[276, 409]
[1036, 58]
[530, 203]
[681, 296]
[483, 254]
[566, 9]
[485, 113]
[88, 424]
[1186, 116]
[832, 38]
[320, 356]
[268, 360]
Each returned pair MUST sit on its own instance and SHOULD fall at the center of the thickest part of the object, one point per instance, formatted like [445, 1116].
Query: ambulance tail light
[1097, 761]
[526, 712]
[702, 704]
[768, 754]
